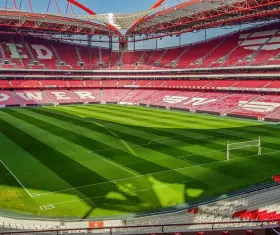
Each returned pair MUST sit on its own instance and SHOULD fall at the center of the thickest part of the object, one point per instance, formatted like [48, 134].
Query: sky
[99, 6]
[121, 6]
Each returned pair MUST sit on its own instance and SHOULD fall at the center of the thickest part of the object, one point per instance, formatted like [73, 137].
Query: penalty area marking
[160, 172]
[25, 189]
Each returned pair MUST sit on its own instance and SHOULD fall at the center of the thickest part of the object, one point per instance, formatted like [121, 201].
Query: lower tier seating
[62, 96]
[32, 97]
[244, 104]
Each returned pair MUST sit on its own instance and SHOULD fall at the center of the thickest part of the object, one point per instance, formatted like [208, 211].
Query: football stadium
[162, 118]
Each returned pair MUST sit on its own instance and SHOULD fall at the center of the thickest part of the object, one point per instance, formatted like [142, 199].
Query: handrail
[162, 226]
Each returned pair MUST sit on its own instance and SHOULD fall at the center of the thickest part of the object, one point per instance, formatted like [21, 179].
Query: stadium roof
[200, 14]
[18, 20]
[119, 20]
[185, 16]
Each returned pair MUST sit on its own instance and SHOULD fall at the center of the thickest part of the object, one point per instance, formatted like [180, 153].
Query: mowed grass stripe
[37, 139]
[227, 121]
[173, 126]
[154, 150]
[128, 160]
[174, 132]
[65, 170]
[201, 142]
[170, 116]
[254, 126]
[138, 194]
[30, 168]
[149, 154]
[189, 145]
[173, 115]
[231, 132]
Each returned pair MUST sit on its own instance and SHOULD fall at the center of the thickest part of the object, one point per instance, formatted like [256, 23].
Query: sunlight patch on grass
[194, 192]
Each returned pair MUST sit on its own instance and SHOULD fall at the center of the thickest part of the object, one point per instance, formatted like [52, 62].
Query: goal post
[244, 144]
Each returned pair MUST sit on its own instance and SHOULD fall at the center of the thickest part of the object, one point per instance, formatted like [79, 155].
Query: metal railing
[167, 228]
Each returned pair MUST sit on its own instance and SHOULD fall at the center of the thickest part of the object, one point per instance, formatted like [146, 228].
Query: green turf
[109, 160]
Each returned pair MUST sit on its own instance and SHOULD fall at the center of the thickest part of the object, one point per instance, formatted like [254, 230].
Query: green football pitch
[110, 160]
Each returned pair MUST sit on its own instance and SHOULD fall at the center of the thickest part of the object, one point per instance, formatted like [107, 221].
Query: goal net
[243, 145]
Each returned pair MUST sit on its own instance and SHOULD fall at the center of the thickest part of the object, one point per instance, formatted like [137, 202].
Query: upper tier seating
[153, 57]
[105, 58]
[130, 59]
[252, 47]
[193, 56]
[115, 60]
[66, 54]
[170, 58]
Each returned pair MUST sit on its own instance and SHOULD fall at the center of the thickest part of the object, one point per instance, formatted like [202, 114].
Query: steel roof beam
[185, 23]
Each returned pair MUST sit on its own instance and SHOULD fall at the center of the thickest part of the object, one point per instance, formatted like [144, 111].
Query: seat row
[258, 46]
[251, 105]
[270, 85]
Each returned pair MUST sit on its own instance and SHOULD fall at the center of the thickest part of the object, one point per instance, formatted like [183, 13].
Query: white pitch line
[106, 160]
[138, 176]
[83, 199]
[30, 195]
[135, 191]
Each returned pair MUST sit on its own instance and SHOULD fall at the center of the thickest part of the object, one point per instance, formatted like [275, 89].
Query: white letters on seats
[60, 95]
[30, 95]
[4, 97]
[84, 95]
[256, 106]
[199, 101]
[42, 52]
[16, 52]
[174, 99]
